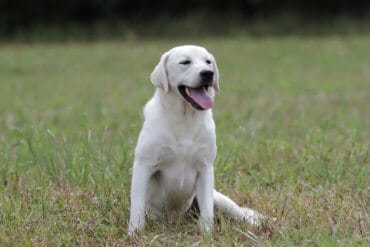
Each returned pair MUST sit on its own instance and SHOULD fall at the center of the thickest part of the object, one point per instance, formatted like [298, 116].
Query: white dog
[177, 144]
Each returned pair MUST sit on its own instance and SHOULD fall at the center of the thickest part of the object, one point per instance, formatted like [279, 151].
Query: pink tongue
[201, 97]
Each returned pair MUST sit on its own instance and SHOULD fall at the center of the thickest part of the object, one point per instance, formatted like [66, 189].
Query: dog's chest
[183, 157]
[179, 167]
[187, 148]
[184, 153]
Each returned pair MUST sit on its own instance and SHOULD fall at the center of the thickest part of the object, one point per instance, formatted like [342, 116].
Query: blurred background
[96, 19]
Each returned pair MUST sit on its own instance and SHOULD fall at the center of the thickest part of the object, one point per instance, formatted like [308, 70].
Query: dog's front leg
[204, 193]
[142, 172]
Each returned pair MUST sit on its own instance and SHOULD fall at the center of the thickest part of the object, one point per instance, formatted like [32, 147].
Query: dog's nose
[206, 76]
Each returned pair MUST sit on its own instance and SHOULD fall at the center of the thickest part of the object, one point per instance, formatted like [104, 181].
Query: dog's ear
[216, 83]
[159, 75]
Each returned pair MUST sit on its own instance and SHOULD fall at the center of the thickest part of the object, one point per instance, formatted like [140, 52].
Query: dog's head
[191, 72]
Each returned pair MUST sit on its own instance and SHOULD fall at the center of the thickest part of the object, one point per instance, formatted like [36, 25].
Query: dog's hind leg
[226, 205]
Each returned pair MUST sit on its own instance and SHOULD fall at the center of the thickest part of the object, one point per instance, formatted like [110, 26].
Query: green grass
[293, 129]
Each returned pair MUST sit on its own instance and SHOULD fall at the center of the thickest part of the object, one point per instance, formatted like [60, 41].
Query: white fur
[177, 147]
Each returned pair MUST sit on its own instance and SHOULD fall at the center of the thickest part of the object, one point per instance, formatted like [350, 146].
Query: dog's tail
[228, 206]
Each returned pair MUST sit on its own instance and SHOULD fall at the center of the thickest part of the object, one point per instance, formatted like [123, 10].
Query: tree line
[16, 14]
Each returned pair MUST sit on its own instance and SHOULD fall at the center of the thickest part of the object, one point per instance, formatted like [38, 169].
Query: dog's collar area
[199, 97]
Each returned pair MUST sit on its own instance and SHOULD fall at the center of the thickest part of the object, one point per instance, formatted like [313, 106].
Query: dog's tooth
[187, 91]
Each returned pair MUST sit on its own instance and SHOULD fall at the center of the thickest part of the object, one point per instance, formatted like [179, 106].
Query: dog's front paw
[133, 232]
[206, 226]
[135, 226]
[135, 235]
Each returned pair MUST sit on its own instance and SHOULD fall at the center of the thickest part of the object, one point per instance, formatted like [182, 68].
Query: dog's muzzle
[199, 97]
[206, 77]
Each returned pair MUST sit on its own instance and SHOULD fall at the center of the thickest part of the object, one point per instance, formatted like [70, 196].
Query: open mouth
[198, 97]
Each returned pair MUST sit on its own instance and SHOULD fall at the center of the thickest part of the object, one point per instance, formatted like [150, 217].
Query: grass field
[293, 134]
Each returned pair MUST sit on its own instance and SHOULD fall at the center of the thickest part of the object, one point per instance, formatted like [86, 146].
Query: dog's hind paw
[253, 217]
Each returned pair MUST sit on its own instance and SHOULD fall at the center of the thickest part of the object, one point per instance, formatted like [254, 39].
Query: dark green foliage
[22, 15]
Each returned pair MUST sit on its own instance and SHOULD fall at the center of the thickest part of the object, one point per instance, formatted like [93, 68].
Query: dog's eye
[185, 62]
[208, 61]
